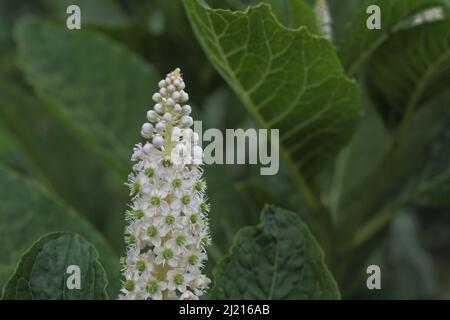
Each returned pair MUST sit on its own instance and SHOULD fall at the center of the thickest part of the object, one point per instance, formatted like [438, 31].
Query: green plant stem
[367, 231]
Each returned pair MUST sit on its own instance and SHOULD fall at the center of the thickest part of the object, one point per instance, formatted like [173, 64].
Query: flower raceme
[167, 232]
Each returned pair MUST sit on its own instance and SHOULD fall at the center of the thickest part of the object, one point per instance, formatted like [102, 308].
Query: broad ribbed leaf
[28, 212]
[360, 43]
[99, 88]
[294, 14]
[287, 79]
[278, 259]
[410, 68]
[42, 272]
[49, 149]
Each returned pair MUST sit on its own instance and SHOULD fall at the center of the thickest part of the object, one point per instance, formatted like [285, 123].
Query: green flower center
[176, 183]
[135, 187]
[185, 200]
[152, 287]
[180, 240]
[149, 172]
[130, 239]
[205, 241]
[140, 265]
[178, 279]
[166, 163]
[155, 200]
[167, 254]
[170, 219]
[138, 214]
[193, 218]
[129, 285]
[203, 206]
[193, 260]
[152, 231]
[199, 186]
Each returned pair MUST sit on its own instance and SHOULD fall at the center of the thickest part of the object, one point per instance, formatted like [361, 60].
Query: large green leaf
[99, 88]
[291, 13]
[412, 67]
[278, 259]
[28, 212]
[287, 79]
[360, 43]
[10, 152]
[42, 273]
[52, 150]
[294, 14]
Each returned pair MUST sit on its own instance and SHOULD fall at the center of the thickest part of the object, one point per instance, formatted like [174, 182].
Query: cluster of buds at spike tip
[167, 231]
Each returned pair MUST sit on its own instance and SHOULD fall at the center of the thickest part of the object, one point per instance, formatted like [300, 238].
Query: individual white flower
[151, 235]
[187, 203]
[188, 295]
[198, 282]
[169, 223]
[157, 202]
[129, 286]
[167, 226]
[194, 260]
[154, 289]
[166, 255]
[179, 243]
[177, 279]
[175, 185]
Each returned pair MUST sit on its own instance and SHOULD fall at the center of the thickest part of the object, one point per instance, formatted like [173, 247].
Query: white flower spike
[167, 232]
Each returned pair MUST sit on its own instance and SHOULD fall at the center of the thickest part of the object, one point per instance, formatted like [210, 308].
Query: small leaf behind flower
[42, 272]
[278, 259]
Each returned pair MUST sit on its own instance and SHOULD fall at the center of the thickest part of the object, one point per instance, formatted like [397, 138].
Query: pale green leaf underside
[99, 88]
[288, 79]
[42, 272]
[278, 259]
[410, 68]
[360, 43]
[29, 212]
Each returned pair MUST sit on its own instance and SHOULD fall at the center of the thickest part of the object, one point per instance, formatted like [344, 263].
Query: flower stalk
[167, 226]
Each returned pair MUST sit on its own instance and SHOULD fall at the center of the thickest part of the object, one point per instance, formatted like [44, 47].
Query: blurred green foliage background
[41, 143]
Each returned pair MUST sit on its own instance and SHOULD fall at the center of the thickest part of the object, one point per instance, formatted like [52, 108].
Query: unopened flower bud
[187, 109]
[160, 126]
[158, 141]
